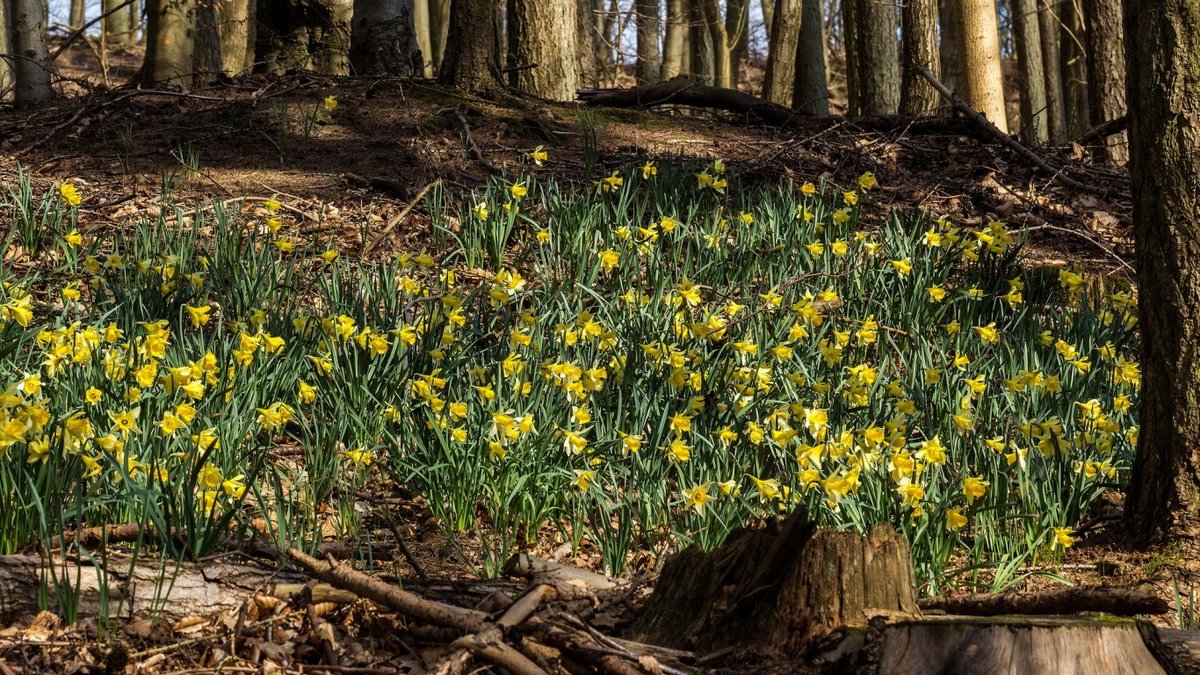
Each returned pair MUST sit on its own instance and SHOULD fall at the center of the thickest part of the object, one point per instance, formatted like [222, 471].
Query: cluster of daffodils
[665, 354]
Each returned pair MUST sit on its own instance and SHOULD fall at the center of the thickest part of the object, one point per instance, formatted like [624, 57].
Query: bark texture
[303, 35]
[1106, 70]
[1048, 30]
[719, 38]
[674, 57]
[1164, 139]
[541, 34]
[587, 46]
[700, 47]
[439, 26]
[383, 40]
[919, 19]
[1073, 54]
[237, 20]
[206, 56]
[780, 78]
[472, 61]
[981, 82]
[874, 88]
[1035, 127]
[950, 48]
[649, 59]
[118, 27]
[31, 65]
[6, 71]
[796, 60]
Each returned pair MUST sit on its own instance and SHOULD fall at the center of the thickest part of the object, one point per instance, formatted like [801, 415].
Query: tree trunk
[1164, 164]
[31, 68]
[700, 45]
[117, 27]
[780, 79]
[674, 56]
[1034, 125]
[552, 73]
[472, 60]
[424, 32]
[382, 40]
[718, 35]
[206, 55]
[1052, 72]
[810, 91]
[587, 47]
[237, 30]
[850, 37]
[737, 31]
[920, 22]
[78, 14]
[1074, 67]
[6, 69]
[1106, 71]
[169, 42]
[876, 59]
[439, 25]
[768, 12]
[134, 22]
[950, 48]
[982, 84]
[304, 35]
[777, 590]
[649, 59]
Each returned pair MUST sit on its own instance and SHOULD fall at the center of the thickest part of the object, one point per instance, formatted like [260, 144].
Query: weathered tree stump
[779, 589]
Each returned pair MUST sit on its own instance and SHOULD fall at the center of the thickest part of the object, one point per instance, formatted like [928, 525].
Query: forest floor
[359, 165]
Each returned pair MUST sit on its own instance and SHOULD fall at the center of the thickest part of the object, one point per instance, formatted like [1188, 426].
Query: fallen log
[685, 90]
[1110, 600]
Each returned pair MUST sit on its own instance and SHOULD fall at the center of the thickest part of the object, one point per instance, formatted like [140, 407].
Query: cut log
[778, 589]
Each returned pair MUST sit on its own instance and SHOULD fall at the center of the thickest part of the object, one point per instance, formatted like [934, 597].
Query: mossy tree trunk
[170, 41]
[950, 47]
[383, 40]
[206, 56]
[77, 14]
[472, 60]
[237, 22]
[1106, 71]
[1035, 127]
[919, 22]
[1164, 164]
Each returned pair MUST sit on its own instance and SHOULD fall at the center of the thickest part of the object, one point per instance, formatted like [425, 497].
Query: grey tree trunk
[718, 37]
[674, 56]
[169, 41]
[117, 27]
[876, 57]
[1106, 70]
[532, 22]
[303, 35]
[950, 49]
[649, 59]
[206, 56]
[31, 68]
[1052, 72]
[6, 53]
[383, 41]
[920, 22]
[737, 31]
[77, 14]
[237, 30]
[1074, 67]
[1164, 140]
[850, 39]
[811, 89]
[1035, 126]
[472, 60]
[424, 33]
[439, 25]
[982, 84]
[700, 45]
[780, 78]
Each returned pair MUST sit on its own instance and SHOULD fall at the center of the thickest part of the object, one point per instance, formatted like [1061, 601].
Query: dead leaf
[190, 624]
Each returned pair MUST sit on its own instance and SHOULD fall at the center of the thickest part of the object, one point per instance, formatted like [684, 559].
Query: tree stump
[779, 589]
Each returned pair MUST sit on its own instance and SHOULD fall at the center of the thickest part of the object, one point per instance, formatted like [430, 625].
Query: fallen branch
[1005, 139]
[684, 90]
[1120, 601]
[1104, 130]
[530, 567]
[393, 222]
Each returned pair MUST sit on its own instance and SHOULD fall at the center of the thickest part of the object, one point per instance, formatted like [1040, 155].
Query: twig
[1007, 139]
[79, 31]
[1104, 130]
[472, 148]
[393, 222]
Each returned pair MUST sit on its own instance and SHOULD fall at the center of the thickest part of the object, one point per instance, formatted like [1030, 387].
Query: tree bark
[982, 84]
[1164, 164]
[674, 60]
[768, 12]
[206, 55]
[552, 73]
[920, 22]
[31, 67]
[1106, 71]
[6, 66]
[649, 58]
[472, 60]
[1052, 72]
[950, 47]
[439, 25]
[424, 33]
[382, 39]
[875, 85]
[78, 15]
[237, 31]
[1034, 117]
[303, 35]
[810, 91]
[780, 79]
[170, 42]
[1074, 67]
[117, 27]
[718, 36]
[700, 45]
[737, 31]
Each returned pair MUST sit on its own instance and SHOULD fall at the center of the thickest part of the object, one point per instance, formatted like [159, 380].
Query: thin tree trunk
[1106, 70]
[236, 43]
[768, 12]
[850, 38]
[439, 24]
[135, 23]
[117, 26]
[737, 30]
[382, 39]
[950, 48]
[811, 88]
[206, 56]
[982, 84]
[1052, 72]
[920, 22]
[876, 58]
[169, 43]
[424, 33]
[31, 67]
[1074, 67]
[77, 14]
[703, 61]
[552, 73]
[673, 40]
[6, 53]
[1034, 117]
[1164, 165]
[780, 79]
[719, 38]
[472, 60]
[649, 59]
